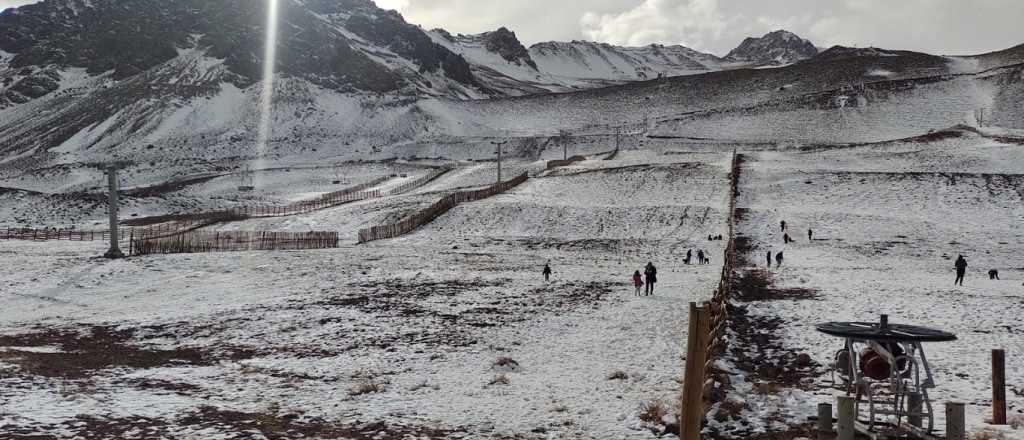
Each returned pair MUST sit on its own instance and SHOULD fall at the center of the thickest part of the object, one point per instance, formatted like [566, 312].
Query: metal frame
[900, 384]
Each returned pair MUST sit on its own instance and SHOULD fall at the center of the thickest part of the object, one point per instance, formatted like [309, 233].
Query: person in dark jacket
[783, 224]
[638, 282]
[547, 272]
[689, 256]
[961, 270]
[651, 277]
[810, 235]
[778, 259]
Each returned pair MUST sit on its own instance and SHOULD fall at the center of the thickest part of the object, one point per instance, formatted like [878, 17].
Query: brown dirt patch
[86, 349]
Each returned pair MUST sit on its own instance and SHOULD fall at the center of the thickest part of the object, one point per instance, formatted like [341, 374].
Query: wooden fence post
[846, 415]
[692, 405]
[955, 428]
[824, 421]
[998, 387]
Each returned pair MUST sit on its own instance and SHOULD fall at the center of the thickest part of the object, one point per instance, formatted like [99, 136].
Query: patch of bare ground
[801, 431]
[272, 424]
[759, 351]
[78, 352]
[404, 299]
[756, 285]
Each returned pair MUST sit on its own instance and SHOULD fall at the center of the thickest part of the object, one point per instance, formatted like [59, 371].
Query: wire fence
[442, 206]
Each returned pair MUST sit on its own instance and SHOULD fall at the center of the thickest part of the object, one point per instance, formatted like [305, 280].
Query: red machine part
[873, 365]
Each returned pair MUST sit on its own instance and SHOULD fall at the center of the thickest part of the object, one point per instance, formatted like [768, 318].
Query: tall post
[114, 251]
[998, 387]
[618, 131]
[955, 428]
[824, 421]
[691, 412]
[499, 144]
[846, 415]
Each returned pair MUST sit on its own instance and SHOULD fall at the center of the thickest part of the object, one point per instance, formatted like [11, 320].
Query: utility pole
[115, 251]
[563, 137]
[499, 144]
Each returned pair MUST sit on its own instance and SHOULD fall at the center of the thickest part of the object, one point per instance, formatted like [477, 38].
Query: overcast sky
[950, 27]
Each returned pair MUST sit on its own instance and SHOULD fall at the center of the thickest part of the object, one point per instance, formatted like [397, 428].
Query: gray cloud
[951, 27]
[936, 26]
[4, 4]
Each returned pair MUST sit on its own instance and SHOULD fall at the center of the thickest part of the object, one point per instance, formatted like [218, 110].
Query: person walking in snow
[778, 259]
[769, 259]
[961, 270]
[810, 235]
[689, 256]
[783, 224]
[651, 277]
[547, 272]
[638, 282]
[700, 256]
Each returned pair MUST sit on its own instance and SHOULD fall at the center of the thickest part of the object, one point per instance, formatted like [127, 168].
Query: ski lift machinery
[884, 366]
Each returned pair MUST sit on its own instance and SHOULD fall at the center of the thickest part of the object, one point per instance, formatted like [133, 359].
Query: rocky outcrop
[775, 48]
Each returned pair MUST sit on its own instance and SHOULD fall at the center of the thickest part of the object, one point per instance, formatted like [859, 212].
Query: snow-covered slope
[588, 60]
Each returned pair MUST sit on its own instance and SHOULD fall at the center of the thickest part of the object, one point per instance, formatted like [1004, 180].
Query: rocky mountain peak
[504, 42]
[774, 48]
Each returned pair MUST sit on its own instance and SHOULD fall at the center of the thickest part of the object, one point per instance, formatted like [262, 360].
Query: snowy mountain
[159, 85]
[774, 48]
[588, 60]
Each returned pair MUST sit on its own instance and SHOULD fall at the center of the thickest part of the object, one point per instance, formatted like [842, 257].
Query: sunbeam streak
[267, 97]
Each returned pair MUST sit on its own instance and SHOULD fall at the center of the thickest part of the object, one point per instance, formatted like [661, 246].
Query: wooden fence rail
[561, 163]
[707, 338]
[348, 195]
[49, 234]
[202, 241]
[442, 206]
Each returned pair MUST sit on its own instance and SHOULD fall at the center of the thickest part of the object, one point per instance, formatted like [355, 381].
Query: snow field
[888, 221]
[426, 320]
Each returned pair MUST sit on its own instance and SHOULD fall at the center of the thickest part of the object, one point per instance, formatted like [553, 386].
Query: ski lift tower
[114, 251]
[245, 180]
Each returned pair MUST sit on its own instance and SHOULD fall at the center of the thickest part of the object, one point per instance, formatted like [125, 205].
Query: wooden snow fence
[442, 206]
[409, 186]
[50, 234]
[706, 337]
[204, 241]
[552, 164]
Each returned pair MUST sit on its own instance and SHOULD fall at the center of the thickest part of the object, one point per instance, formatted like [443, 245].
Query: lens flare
[267, 97]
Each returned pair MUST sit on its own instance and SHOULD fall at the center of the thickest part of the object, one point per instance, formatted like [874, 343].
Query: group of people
[702, 258]
[786, 239]
[961, 270]
[649, 278]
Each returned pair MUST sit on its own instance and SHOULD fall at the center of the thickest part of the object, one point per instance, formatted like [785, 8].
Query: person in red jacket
[638, 282]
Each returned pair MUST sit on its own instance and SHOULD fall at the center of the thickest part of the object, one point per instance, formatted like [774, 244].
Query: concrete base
[114, 253]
